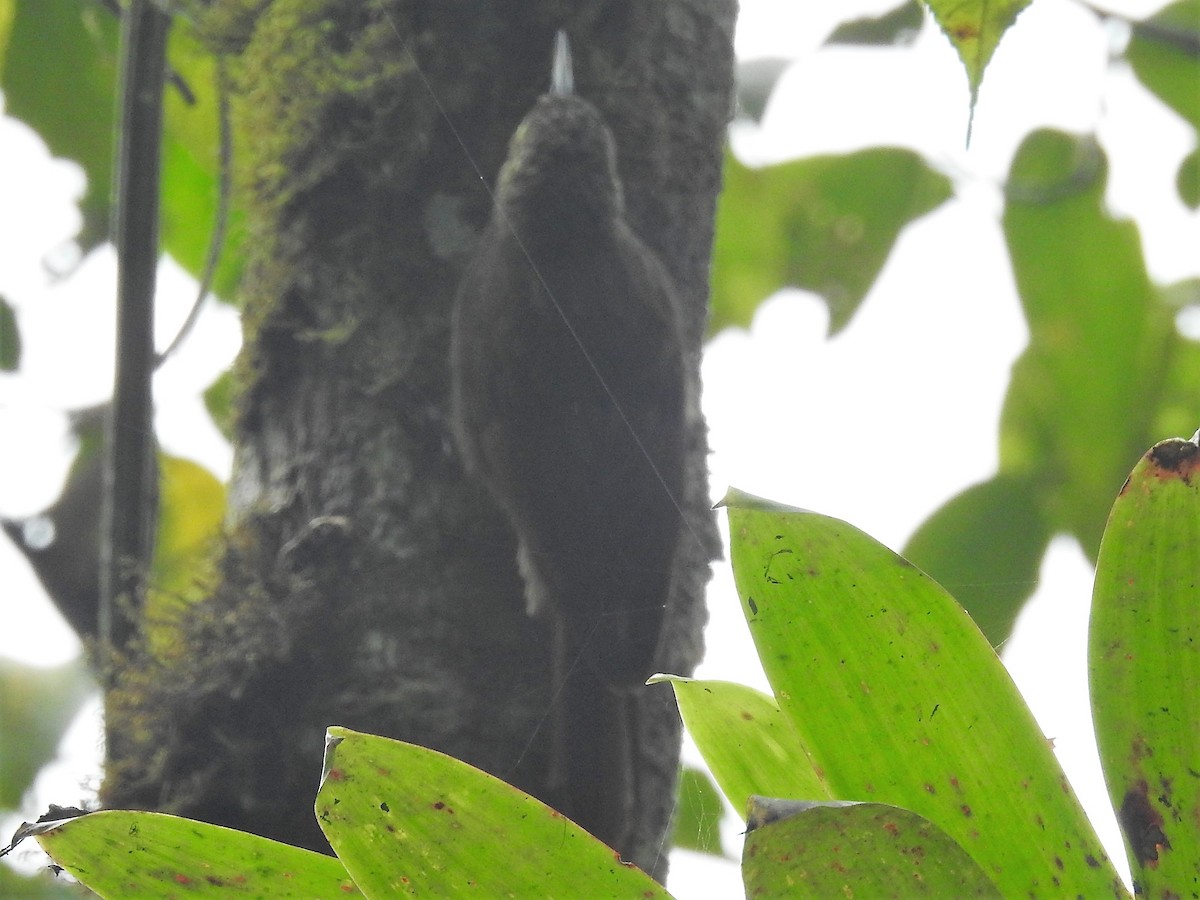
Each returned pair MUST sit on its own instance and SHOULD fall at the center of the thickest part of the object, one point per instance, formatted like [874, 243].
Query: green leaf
[975, 27]
[825, 224]
[44, 885]
[191, 184]
[1187, 180]
[143, 854]
[1177, 409]
[58, 72]
[72, 107]
[747, 742]
[985, 547]
[698, 810]
[192, 507]
[218, 400]
[191, 510]
[1101, 338]
[36, 706]
[1145, 666]
[896, 27]
[1165, 55]
[410, 821]
[10, 338]
[854, 850]
[897, 698]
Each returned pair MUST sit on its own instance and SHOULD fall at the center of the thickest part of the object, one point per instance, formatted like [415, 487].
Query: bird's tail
[593, 766]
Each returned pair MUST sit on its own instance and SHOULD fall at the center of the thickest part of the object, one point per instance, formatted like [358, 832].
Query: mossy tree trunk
[366, 580]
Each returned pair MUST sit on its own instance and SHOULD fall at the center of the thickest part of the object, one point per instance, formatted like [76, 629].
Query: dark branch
[130, 473]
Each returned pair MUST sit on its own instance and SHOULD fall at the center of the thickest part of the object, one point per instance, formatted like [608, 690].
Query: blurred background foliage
[1106, 372]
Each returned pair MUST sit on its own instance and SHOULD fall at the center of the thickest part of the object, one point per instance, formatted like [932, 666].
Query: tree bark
[366, 580]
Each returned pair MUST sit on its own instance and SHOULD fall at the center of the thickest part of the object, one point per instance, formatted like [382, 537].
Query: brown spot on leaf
[1142, 824]
[1175, 458]
[1139, 750]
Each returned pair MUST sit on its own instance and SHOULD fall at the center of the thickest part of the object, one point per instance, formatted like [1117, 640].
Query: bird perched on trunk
[568, 403]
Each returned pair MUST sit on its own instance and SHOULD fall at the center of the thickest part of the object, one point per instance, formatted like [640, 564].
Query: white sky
[925, 362]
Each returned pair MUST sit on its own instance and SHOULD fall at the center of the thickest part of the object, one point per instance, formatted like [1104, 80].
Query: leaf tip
[1176, 457]
[738, 499]
[666, 678]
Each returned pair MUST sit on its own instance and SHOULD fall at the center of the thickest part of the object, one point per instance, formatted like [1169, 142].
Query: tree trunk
[366, 580]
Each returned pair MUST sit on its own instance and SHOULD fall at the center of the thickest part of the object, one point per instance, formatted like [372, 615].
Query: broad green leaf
[408, 821]
[10, 338]
[192, 507]
[1187, 180]
[985, 547]
[58, 72]
[1178, 408]
[191, 510]
[1103, 349]
[898, 698]
[975, 27]
[747, 742]
[72, 106]
[122, 854]
[192, 175]
[1144, 661]
[854, 850]
[44, 885]
[1181, 294]
[825, 224]
[696, 824]
[218, 400]
[36, 706]
[1165, 54]
[896, 27]
[1101, 339]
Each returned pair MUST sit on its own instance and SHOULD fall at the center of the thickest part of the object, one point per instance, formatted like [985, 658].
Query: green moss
[155, 709]
[313, 80]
